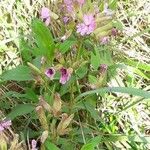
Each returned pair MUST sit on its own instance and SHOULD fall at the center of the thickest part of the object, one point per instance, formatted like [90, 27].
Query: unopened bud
[44, 104]
[57, 104]
[42, 117]
[44, 136]
[64, 123]
[106, 27]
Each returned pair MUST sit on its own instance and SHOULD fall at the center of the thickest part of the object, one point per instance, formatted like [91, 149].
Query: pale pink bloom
[88, 19]
[70, 8]
[68, 2]
[34, 145]
[1, 128]
[65, 75]
[5, 125]
[88, 25]
[104, 40]
[107, 11]
[50, 73]
[69, 5]
[81, 2]
[82, 29]
[65, 19]
[45, 15]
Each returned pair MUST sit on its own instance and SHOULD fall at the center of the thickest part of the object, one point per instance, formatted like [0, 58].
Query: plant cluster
[68, 60]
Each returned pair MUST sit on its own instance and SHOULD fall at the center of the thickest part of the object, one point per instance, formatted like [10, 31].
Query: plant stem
[79, 51]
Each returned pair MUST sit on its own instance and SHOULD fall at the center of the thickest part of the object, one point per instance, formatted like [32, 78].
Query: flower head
[69, 5]
[65, 75]
[50, 73]
[5, 125]
[104, 40]
[45, 15]
[114, 32]
[34, 145]
[88, 25]
[81, 2]
[65, 19]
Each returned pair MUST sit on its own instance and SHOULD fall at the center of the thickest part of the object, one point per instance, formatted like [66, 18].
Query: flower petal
[50, 73]
[45, 13]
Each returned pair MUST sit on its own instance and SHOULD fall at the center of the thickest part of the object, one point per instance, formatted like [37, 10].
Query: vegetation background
[134, 42]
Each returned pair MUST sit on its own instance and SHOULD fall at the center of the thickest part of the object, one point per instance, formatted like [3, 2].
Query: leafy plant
[65, 78]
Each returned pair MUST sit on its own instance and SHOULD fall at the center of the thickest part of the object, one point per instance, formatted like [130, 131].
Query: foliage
[65, 76]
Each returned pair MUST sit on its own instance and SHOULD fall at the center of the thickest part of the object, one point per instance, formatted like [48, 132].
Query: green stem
[79, 51]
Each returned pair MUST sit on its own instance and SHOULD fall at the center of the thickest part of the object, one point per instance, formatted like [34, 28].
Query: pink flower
[104, 40]
[65, 75]
[69, 5]
[34, 145]
[5, 125]
[1, 128]
[103, 68]
[88, 25]
[50, 73]
[65, 19]
[81, 2]
[68, 2]
[45, 15]
[114, 32]
[82, 29]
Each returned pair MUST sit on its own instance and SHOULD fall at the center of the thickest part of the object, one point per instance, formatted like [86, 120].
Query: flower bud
[44, 104]
[57, 104]
[64, 123]
[42, 117]
[103, 28]
[44, 136]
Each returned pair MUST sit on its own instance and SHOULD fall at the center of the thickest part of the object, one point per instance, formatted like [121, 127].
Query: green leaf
[19, 110]
[89, 107]
[132, 91]
[92, 79]
[118, 25]
[137, 64]
[43, 39]
[66, 45]
[140, 139]
[50, 146]
[113, 4]
[20, 73]
[92, 143]
[101, 55]
[114, 138]
[29, 95]
[140, 73]
[95, 59]
[26, 50]
[89, 146]
[106, 58]
[82, 71]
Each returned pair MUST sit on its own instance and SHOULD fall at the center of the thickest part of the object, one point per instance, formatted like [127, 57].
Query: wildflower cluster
[65, 74]
[63, 63]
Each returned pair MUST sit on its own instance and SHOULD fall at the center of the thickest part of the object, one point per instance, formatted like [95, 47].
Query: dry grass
[135, 43]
